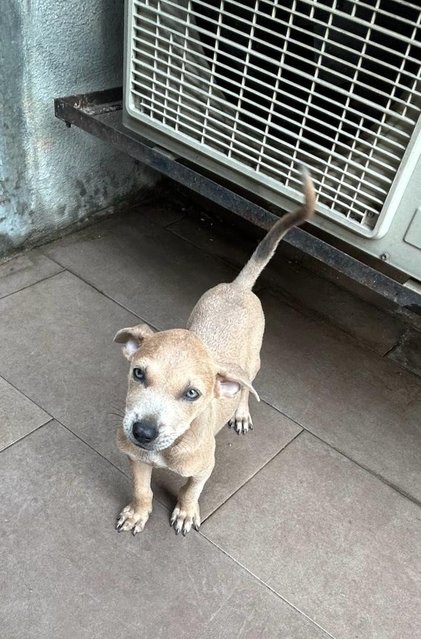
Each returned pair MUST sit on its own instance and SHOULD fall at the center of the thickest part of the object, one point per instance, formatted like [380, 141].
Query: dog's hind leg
[241, 421]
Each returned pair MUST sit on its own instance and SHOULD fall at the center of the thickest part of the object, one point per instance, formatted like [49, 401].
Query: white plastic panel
[262, 86]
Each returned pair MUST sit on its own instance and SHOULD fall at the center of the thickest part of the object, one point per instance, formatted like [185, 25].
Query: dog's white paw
[132, 518]
[241, 422]
[183, 519]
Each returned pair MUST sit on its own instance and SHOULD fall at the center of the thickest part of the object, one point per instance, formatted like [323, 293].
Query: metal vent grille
[264, 85]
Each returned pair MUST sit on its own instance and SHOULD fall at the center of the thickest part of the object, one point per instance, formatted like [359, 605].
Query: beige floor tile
[332, 539]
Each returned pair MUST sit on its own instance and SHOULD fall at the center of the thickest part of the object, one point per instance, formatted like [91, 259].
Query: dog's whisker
[115, 406]
[114, 414]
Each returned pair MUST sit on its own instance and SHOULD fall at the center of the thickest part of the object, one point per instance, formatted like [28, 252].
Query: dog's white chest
[157, 460]
[153, 458]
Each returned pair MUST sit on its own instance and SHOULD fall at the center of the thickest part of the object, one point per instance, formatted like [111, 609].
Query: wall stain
[6, 244]
[81, 187]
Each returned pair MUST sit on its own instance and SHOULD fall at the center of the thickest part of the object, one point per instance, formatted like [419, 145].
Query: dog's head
[172, 379]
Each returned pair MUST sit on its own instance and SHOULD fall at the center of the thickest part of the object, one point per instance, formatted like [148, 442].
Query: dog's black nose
[144, 432]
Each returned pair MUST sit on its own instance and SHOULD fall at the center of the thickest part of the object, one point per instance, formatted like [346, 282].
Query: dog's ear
[132, 337]
[230, 379]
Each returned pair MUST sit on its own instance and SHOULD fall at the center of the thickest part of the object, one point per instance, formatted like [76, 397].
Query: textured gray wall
[51, 176]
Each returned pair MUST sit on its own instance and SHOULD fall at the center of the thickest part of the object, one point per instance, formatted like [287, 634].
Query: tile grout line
[43, 279]
[17, 441]
[207, 252]
[28, 398]
[54, 419]
[339, 334]
[98, 290]
[373, 473]
[392, 348]
[315, 317]
[126, 475]
[51, 417]
[264, 584]
[257, 288]
[98, 218]
[377, 476]
[281, 450]
[68, 429]
[83, 441]
[59, 421]
[167, 226]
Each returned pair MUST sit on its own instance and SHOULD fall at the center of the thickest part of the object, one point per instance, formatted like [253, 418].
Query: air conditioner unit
[251, 89]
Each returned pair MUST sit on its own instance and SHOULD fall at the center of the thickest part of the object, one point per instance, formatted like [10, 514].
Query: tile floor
[312, 523]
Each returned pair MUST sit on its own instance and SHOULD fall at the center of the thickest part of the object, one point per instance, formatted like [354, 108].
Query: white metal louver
[260, 86]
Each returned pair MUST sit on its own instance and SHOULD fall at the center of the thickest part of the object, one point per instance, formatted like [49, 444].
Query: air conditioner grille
[265, 85]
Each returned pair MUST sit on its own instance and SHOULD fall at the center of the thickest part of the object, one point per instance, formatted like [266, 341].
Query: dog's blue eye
[139, 374]
[191, 394]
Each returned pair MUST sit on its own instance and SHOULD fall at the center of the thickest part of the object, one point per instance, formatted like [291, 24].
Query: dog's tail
[267, 247]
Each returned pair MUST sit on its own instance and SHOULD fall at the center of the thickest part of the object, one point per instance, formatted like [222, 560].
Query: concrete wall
[51, 176]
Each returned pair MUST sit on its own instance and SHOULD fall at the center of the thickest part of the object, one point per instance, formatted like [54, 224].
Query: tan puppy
[185, 384]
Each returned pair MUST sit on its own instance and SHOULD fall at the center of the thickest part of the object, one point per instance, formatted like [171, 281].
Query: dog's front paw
[241, 422]
[182, 519]
[133, 518]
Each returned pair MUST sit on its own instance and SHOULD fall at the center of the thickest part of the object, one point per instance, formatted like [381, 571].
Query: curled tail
[267, 247]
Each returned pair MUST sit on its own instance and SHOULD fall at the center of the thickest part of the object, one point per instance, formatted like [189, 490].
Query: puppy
[185, 384]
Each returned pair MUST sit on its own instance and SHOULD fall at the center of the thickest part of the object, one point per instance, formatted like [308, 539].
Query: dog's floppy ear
[230, 379]
[132, 337]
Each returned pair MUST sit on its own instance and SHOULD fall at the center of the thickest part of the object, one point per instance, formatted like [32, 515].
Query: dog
[186, 384]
